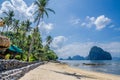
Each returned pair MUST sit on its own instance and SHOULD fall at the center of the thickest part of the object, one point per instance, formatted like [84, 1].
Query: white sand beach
[57, 71]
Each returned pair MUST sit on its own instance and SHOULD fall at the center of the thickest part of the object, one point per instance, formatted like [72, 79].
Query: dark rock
[93, 64]
[77, 57]
[69, 58]
[61, 59]
[97, 53]
[15, 74]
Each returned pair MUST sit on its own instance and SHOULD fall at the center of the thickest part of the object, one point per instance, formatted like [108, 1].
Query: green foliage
[42, 10]
[7, 56]
[51, 55]
[18, 57]
[28, 38]
[33, 58]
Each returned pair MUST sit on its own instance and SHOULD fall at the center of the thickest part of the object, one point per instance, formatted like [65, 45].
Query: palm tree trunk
[30, 49]
[2, 30]
[31, 45]
[38, 22]
[7, 31]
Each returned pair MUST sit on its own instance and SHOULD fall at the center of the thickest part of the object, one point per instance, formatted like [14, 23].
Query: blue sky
[79, 9]
[79, 24]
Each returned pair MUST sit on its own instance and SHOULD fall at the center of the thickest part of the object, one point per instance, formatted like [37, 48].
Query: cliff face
[97, 53]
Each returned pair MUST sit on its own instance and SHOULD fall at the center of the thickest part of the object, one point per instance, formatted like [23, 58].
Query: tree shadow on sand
[72, 74]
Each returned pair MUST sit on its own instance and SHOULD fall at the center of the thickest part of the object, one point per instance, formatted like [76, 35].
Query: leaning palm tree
[39, 13]
[48, 40]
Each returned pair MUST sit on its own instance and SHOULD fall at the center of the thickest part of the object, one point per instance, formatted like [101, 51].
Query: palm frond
[37, 17]
[50, 10]
[37, 3]
[36, 12]
[46, 14]
[6, 13]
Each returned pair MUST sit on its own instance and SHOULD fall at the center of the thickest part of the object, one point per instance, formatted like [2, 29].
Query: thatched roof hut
[4, 42]
[2, 23]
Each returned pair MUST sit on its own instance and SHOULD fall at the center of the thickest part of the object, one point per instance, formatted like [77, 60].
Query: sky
[76, 26]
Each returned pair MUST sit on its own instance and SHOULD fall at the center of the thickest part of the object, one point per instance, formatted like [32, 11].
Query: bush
[32, 58]
[7, 56]
[18, 57]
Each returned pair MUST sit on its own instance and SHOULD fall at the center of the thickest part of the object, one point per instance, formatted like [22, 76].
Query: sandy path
[56, 71]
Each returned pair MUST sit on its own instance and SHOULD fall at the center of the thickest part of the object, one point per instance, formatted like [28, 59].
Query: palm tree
[15, 25]
[42, 10]
[27, 26]
[39, 13]
[48, 42]
[9, 18]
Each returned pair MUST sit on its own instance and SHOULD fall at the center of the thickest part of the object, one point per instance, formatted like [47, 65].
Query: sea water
[105, 66]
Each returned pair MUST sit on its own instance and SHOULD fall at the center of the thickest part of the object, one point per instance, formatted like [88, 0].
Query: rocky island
[97, 53]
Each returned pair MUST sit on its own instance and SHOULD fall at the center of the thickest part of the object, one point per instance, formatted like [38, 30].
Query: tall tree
[41, 10]
[16, 25]
[27, 28]
[39, 13]
[48, 42]
[9, 18]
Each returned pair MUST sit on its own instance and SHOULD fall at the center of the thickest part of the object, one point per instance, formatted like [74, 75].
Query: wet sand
[57, 71]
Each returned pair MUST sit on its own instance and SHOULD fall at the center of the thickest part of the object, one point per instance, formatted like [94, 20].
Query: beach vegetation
[27, 37]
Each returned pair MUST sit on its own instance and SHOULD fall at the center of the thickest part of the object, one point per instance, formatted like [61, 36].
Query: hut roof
[15, 49]
[4, 42]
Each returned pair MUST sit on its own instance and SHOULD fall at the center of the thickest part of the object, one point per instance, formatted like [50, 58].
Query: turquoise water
[110, 66]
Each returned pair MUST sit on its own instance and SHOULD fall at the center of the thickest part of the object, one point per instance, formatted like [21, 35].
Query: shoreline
[59, 71]
[93, 71]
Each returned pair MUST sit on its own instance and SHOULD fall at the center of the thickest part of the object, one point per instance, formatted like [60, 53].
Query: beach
[59, 71]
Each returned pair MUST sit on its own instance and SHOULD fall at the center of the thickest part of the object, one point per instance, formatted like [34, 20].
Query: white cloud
[24, 12]
[45, 28]
[21, 9]
[58, 42]
[100, 22]
[75, 21]
[84, 48]
[89, 22]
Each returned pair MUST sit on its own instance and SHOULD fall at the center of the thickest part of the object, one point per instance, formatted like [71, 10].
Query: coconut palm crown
[42, 10]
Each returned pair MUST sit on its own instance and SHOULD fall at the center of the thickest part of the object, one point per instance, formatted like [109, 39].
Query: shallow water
[106, 66]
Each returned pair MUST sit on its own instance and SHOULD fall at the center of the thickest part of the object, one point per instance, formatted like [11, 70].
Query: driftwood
[4, 42]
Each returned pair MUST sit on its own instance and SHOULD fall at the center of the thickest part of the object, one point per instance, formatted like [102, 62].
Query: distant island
[76, 57]
[95, 53]
[116, 58]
